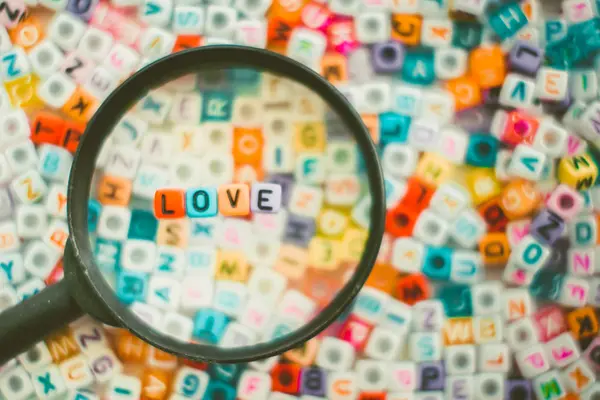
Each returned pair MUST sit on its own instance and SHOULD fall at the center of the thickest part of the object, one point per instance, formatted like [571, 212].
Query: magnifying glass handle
[29, 322]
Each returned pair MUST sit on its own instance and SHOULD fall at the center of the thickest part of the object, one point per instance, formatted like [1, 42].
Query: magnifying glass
[167, 235]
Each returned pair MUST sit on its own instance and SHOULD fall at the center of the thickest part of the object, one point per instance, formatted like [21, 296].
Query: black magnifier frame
[84, 289]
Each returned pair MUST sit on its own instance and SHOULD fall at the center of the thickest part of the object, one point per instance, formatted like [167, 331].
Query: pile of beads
[231, 200]
[484, 111]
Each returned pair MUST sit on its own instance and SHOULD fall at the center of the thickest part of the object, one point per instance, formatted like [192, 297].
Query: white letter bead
[54, 162]
[45, 58]
[190, 382]
[21, 156]
[14, 126]
[371, 375]
[49, 383]
[265, 197]
[121, 60]
[399, 160]
[574, 291]
[383, 344]
[489, 386]
[527, 163]
[407, 255]
[450, 62]
[220, 21]
[95, 44]
[8, 298]
[16, 384]
[253, 385]
[13, 270]
[494, 357]
[177, 326]
[551, 138]
[307, 47]
[37, 357]
[521, 334]
[164, 292]
[335, 354]
[124, 387]
[562, 350]
[113, 222]
[552, 84]
[9, 239]
[460, 359]
[425, 346]
[431, 229]
[156, 12]
[31, 220]
[449, 200]
[138, 255]
[66, 30]
[468, 227]
[56, 90]
[39, 259]
[517, 91]
[550, 379]
[532, 361]
[486, 297]
[76, 373]
[579, 376]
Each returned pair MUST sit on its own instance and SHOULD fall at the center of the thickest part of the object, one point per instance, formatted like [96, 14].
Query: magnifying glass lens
[229, 207]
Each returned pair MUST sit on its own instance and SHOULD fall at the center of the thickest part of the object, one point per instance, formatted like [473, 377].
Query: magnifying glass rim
[125, 97]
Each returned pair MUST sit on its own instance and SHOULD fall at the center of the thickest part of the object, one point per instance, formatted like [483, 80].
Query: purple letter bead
[518, 389]
[547, 227]
[286, 182]
[299, 230]
[312, 381]
[525, 58]
[82, 8]
[431, 376]
[387, 57]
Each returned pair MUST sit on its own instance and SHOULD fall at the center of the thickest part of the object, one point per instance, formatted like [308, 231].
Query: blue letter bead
[217, 106]
[467, 35]
[94, 209]
[143, 225]
[393, 128]
[219, 390]
[508, 20]
[437, 263]
[209, 325]
[201, 202]
[107, 254]
[229, 373]
[418, 67]
[457, 300]
[482, 150]
[546, 284]
[132, 286]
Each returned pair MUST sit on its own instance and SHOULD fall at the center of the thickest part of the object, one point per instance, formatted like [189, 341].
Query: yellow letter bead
[309, 136]
[580, 171]
[174, 232]
[22, 92]
[332, 223]
[232, 266]
[353, 245]
[323, 253]
[482, 184]
[434, 169]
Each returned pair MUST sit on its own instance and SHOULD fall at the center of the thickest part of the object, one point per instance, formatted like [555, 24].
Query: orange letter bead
[114, 191]
[519, 199]
[412, 289]
[155, 384]
[406, 29]
[81, 106]
[487, 66]
[334, 68]
[47, 128]
[232, 266]
[27, 33]
[466, 92]
[583, 323]
[247, 146]
[494, 248]
[62, 346]
[130, 348]
[234, 199]
[169, 203]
